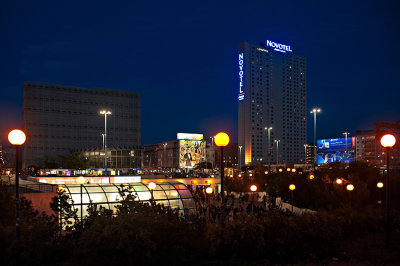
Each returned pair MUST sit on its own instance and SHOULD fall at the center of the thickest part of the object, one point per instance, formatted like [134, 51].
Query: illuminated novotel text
[278, 47]
[241, 65]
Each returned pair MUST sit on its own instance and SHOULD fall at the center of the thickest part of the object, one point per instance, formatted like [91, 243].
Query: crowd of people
[211, 208]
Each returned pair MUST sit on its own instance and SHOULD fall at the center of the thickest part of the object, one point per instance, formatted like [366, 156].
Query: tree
[74, 160]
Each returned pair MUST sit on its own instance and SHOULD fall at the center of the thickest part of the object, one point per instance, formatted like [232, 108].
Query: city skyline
[187, 56]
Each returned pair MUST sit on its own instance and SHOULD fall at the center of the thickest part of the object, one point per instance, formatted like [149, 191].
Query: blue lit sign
[335, 150]
[241, 65]
[278, 47]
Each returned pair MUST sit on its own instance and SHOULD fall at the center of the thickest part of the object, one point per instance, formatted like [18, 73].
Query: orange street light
[350, 187]
[16, 137]
[253, 188]
[311, 177]
[339, 181]
[292, 187]
[81, 180]
[379, 185]
[387, 141]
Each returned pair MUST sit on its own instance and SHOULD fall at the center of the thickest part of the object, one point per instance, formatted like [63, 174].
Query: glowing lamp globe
[292, 187]
[152, 185]
[379, 185]
[16, 137]
[81, 180]
[221, 139]
[339, 181]
[311, 176]
[350, 187]
[388, 141]
[209, 190]
[253, 188]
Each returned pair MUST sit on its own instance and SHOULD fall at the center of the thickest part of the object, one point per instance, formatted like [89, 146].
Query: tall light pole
[387, 141]
[81, 180]
[269, 147]
[292, 187]
[213, 152]
[16, 137]
[222, 140]
[345, 152]
[240, 157]
[305, 153]
[165, 147]
[102, 134]
[315, 111]
[277, 150]
[105, 113]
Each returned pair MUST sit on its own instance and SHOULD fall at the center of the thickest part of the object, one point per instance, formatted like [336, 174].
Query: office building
[271, 93]
[59, 119]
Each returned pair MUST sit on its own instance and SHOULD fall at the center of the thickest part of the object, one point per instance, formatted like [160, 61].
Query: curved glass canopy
[173, 194]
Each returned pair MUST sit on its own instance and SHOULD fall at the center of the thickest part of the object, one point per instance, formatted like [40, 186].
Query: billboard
[335, 150]
[191, 152]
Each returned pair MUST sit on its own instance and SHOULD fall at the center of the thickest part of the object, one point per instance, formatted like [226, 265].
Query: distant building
[230, 156]
[161, 155]
[271, 93]
[59, 119]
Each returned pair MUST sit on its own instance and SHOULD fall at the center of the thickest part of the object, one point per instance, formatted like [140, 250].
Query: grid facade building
[59, 119]
[272, 93]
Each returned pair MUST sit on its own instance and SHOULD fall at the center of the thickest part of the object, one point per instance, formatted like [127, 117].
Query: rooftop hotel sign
[278, 47]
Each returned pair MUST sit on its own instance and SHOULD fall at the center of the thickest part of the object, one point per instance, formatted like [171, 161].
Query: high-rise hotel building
[59, 119]
[271, 93]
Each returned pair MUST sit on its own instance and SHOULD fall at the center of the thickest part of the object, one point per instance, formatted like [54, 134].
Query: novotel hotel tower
[271, 95]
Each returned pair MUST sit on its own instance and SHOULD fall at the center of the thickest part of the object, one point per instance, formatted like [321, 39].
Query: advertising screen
[335, 150]
[191, 152]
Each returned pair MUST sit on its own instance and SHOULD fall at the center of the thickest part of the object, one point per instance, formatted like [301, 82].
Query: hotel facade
[271, 95]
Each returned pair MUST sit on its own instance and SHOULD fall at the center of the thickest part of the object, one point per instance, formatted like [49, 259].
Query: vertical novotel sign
[278, 47]
[241, 73]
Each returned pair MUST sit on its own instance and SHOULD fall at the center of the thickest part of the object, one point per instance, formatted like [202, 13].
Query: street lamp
[105, 113]
[60, 190]
[339, 181]
[292, 187]
[277, 150]
[222, 140]
[305, 153]
[152, 186]
[379, 185]
[165, 147]
[253, 188]
[209, 191]
[81, 180]
[269, 147]
[387, 141]
[16, 137]
[315, 111]
[240, 157]
[345, 152]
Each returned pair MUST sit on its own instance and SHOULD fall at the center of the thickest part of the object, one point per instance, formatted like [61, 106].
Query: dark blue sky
[182, 57]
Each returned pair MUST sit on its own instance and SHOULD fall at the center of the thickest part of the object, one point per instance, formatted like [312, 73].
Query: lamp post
[277, 150]
[305, 153]
[387, 141]
[81, 180]
[60, 190]
[102, 134]
[222, 140]
[165, 147]
[105, 113]
[16, 137]
[240, 158]
[209, 191]
[379, 186]
[315, 111]
[345, 152]
[253, 188]
[213, 152]
[292, 187]
[269, 147]
[152, 186]
[350, 188]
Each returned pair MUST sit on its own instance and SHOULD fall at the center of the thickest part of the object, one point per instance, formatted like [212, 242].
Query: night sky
[182, 57]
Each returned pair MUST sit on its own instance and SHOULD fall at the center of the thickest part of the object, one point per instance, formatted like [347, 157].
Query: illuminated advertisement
[191, 151]
[335, 150]
[278, 47]
[189, 136]
[241, 73]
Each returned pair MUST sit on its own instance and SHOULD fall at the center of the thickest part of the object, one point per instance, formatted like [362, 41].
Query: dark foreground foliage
[143, 234]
